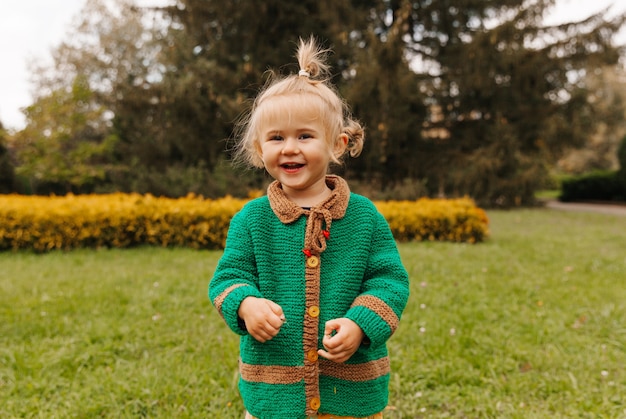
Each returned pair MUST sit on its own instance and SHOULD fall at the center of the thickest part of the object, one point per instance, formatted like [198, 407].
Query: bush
[115, 220]
[596, 186]
[125, 220]
[455, 220]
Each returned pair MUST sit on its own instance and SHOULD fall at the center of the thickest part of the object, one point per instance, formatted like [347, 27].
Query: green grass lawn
[530, 324]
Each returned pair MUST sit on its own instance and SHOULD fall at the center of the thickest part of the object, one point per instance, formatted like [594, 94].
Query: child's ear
[340, 145]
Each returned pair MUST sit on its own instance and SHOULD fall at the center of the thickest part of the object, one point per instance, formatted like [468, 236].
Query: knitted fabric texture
[338, 259]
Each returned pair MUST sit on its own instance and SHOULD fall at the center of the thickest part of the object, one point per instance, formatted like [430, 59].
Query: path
[612, 209]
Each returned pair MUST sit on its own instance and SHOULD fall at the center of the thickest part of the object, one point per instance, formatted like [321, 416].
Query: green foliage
[621, 156]
[7, 171]
[384, 93]
[475, 98]
[500, 98]
[216, 57]
[501, 117]
[607, 91]
[526, 325]
[596, 186]
[67, 142]
[498, 173]
[179, 180]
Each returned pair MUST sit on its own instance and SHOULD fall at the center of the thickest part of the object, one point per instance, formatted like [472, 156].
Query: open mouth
[291, 166]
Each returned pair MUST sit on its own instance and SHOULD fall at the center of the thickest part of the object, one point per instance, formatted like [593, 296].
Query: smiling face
[295, 150]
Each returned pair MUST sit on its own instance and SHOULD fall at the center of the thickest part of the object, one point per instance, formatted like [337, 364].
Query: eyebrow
[299, 131]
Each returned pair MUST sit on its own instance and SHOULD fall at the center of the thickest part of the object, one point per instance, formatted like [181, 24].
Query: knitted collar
[288, 212]
[320, 216]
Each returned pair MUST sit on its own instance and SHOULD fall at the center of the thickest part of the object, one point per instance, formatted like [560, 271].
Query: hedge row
[125, 220]
[455, 220]
[595, 186]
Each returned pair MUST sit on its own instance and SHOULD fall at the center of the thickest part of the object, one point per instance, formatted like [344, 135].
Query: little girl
[310, 277]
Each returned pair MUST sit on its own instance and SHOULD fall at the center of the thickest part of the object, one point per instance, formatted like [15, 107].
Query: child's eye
[275, 138]
[305, 136]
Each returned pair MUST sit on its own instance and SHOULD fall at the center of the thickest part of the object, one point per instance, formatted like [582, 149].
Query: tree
[107, 58]
[606, 94]
[214, 58]
[469, 97]
[621, 156]
[66, 145]
[7, 172]
[509, 89]
[383, 91]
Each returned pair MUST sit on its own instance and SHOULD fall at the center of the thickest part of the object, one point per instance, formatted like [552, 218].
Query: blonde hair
[310, 90]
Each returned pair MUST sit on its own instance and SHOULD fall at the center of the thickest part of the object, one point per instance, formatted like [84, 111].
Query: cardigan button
[314, 311]
[312, 262]
[315, 403]
[312, 355]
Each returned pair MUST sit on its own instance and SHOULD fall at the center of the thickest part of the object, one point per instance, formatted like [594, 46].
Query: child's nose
[290, 145]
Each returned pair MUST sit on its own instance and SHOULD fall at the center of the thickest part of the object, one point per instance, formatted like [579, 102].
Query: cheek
[259, 149]
[267, 153]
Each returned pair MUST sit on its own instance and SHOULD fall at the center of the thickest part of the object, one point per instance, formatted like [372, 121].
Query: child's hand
[342, 344]
[263, 317]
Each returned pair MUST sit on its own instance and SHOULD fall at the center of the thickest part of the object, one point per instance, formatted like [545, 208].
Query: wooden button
[314, 311]
[312, 355]
[315, 403]
[312, 262]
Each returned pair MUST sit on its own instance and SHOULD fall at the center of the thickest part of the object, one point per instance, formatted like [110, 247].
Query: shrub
[596, 186]
[455, 220]
[125, 220]
[115, 220]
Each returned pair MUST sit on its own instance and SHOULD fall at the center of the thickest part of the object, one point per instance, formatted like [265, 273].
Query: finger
[276, 309]
[325, 354]
[331, 341]
[273, 327]
[263, 332]
[273, 323]
[335, 357]
[331, 327]
[265, 335]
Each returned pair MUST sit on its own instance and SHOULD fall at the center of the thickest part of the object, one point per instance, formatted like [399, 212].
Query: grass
[530, 324]
[545, 195]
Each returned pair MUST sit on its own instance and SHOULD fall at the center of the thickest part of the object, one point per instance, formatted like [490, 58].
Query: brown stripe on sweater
[379, 307]
[219, 300]
[278, 374]
[356, 372]
[270, 374]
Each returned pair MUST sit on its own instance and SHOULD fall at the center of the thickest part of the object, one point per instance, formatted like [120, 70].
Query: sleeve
[235, 276]
[385, 291]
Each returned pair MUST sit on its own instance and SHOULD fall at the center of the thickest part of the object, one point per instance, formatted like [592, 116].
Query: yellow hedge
[455, 220]
[115, 220]
[124, 220]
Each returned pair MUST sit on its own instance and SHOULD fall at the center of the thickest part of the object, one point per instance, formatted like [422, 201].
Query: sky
[30, 29]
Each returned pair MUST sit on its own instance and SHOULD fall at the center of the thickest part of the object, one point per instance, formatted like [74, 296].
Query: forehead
[289, 110]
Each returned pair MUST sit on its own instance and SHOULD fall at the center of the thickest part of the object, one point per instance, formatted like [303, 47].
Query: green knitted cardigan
[338, 259]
